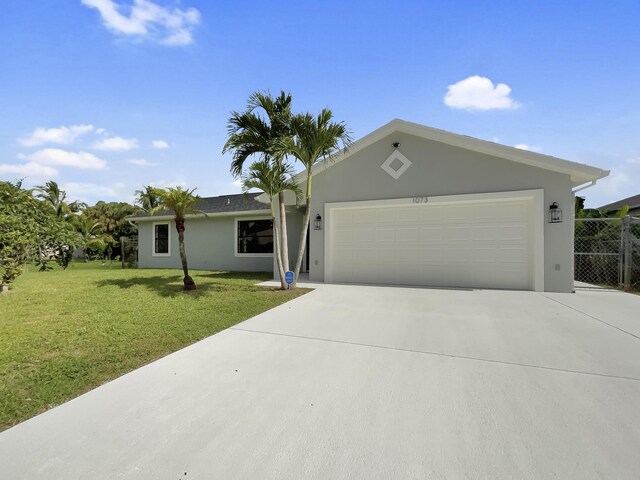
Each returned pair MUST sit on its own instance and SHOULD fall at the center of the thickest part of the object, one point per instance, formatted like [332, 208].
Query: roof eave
[579, 172]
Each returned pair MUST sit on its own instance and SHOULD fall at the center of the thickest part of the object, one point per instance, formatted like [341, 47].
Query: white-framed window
[161, 239]
[253, 237]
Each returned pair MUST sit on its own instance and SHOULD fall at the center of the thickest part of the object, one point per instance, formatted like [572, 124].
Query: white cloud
[479, 93]
[141, 162]
[615, 185]
[31, 170]
[60, 135]
[56, 156]
[159, 144]
[237, 184]
[529, 148]
[116, 144]
[87, 191]
[168, 183]
[148, 20]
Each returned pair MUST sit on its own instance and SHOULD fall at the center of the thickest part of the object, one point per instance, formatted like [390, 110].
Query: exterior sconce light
[555, 213]
[317, 223]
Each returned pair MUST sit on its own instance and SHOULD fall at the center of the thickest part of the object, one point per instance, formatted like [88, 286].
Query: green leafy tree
[19, 216]
[91, 236]
[112, 216]
[51, 194]
[181, 202]
[313, 139]
[272, 179]
[148, 198]
[253, 133]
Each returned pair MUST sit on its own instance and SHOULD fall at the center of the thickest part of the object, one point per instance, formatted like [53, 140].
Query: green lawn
[63, 333]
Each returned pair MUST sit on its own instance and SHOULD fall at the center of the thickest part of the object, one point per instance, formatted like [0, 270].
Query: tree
[51, 194]
[91, 236]
[313, 139]
[272, 179]
[113, 218]
[20, 218]
[181, 202]
[148, 199]
[254, 133]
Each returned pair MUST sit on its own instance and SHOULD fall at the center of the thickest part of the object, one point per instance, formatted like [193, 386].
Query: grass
[63, 333]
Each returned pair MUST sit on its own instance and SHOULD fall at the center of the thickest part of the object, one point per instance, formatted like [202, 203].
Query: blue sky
[105, 96]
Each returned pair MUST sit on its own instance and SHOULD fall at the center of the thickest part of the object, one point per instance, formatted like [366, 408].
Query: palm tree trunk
[188, 282]
[303, 232]
[283, 284]
[284, 244]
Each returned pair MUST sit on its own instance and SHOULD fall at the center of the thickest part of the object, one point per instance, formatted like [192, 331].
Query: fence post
[122, 251]
[626, 235]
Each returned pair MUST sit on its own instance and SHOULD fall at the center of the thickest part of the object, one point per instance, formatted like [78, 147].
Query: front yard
[63, 333]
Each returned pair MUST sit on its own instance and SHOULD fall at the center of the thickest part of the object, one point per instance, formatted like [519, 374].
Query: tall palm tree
[272, 179]
[313, 139]
[182, 202]
[253, 132]
[148, 199]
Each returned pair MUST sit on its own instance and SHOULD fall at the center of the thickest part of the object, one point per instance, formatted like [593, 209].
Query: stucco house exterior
[405, 205]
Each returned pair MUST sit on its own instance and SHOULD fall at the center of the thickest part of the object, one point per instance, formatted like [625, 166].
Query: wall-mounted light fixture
[317, 223]
[555, 213]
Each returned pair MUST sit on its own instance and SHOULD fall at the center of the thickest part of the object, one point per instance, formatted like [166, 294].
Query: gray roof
[222, 204]
[633, 202]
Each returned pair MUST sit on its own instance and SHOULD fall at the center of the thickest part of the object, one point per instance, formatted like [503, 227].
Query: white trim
[199, 215]
[153, 239]
[536, 197]
[579, 172]
[235, 238]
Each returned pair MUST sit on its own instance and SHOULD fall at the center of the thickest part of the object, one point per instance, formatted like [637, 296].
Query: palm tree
[313, 139]
[51, 194]
[90, 235]
[181, 201]
[250, 133]
[148, 199]
[272, 179]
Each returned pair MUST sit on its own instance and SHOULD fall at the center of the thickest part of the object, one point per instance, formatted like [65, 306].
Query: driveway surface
[365, 383]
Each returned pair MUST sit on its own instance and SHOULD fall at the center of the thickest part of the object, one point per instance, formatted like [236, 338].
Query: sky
[105, 96]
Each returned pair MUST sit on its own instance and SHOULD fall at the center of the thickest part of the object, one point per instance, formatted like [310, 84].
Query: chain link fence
[607, 252]
[129, 252]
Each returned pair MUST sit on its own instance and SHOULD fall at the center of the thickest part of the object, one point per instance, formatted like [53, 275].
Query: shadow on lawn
[171, 285]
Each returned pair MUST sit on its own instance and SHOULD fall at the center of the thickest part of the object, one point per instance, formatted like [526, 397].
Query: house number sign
[420, 199]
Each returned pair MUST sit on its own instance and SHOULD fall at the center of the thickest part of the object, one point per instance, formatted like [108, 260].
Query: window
[161, 239]
[254, 237]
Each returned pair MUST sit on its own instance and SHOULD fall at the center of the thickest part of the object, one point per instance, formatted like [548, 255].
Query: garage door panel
[486, 244]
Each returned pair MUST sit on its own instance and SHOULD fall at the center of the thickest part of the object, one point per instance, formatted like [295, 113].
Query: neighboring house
[633, 203]
[405, 205]
[233, 232]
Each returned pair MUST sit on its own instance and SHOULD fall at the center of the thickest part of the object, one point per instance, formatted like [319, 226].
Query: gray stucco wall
[440, 169]
[210, 244]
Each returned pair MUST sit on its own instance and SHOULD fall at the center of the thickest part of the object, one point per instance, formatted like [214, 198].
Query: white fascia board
[579, 172]
[201, 215]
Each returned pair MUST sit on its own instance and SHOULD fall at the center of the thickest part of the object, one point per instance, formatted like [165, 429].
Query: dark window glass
[162, 238]
[255, 236]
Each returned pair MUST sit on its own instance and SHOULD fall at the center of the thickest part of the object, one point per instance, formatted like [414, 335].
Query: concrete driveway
[368, 382]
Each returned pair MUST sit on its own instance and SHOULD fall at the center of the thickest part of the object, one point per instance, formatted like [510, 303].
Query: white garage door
[482, 244]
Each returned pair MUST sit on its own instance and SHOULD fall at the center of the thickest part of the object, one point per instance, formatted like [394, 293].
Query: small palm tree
[181, 202]
[91, 235]
[253, 132]
[272, 179]
[148, 199]
[313, 139]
